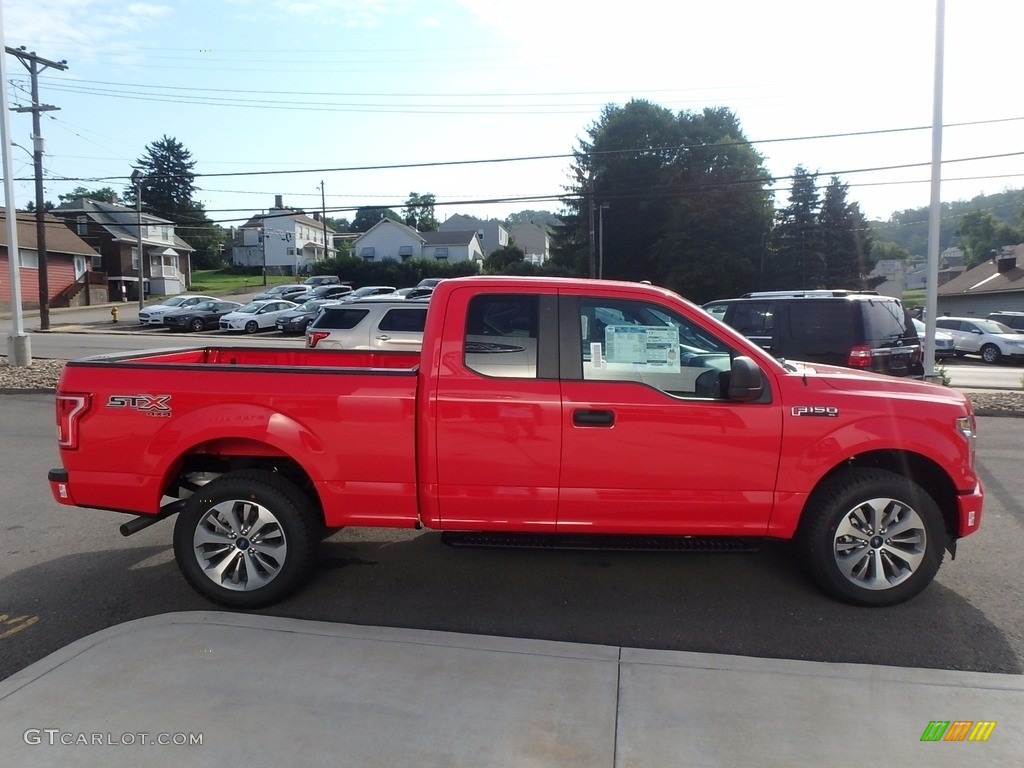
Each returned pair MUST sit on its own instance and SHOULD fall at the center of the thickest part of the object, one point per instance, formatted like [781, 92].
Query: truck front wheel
[872, 537]
[246, 539]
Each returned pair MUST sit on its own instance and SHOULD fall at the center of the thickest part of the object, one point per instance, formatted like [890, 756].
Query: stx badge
[151, 405]
[814, 410]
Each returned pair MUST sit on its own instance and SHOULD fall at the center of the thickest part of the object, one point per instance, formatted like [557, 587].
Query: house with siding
[531, 240]
[283, 240]
[994, 285]
[389, 239]
[492, 233]
[70, 280]
[165, 266]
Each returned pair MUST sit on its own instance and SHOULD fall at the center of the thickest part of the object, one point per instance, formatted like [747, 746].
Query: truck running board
[601, 542]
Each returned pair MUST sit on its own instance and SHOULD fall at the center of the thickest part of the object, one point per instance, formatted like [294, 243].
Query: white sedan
[154, 315]
[256, 315]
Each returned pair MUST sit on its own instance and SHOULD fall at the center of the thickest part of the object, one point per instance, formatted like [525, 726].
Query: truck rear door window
[501, 335]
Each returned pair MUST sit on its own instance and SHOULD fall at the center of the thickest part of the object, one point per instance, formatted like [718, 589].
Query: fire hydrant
[113, 314]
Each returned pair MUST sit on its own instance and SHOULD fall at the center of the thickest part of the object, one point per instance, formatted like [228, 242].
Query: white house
[283, 240]
[389, 239]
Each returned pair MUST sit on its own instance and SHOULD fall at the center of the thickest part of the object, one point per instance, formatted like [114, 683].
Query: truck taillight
[70, 409]
[315, 337]
[859, 357]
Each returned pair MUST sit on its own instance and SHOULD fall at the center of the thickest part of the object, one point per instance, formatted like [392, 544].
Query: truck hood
[853, 380]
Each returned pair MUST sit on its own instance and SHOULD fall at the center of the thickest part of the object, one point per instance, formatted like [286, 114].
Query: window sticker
[641, 348]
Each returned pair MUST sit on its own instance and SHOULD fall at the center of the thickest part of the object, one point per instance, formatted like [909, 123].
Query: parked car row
[990, 339]
[288, 315]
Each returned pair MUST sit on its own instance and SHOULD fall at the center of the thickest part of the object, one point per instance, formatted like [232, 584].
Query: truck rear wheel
[246, 539]
[872, 537]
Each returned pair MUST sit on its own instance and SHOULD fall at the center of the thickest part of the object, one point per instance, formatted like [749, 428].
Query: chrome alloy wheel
[240, 545]
[880, 543]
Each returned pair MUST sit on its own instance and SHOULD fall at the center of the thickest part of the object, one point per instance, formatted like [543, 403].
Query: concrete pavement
[261, 690]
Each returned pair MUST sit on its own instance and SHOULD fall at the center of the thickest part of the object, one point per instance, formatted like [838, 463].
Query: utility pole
[32, 64]
[323, 216]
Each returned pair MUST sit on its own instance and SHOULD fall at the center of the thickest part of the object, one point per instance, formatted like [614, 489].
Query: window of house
[135, 258]
[97, 262]
[501, 335]
[441, 253]
[367, 252]
[405, 252]
[82, 225]
[633, 341]
[291, 251]
[165, 232]
[28, 259]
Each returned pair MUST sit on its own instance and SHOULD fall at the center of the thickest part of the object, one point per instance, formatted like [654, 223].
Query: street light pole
[600, 240]
[137, 179]
[323, 217]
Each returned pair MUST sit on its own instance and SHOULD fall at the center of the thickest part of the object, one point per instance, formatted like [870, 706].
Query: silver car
[993, 341]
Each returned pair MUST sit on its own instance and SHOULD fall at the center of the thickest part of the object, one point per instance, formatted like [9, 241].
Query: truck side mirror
[745, 380]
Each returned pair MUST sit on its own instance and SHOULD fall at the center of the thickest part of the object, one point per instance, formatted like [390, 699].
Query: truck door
[497, 420]
[649, 443]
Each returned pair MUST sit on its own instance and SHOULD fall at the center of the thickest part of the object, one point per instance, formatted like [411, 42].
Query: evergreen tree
[168, 183]
[845, 256]
[419, 212]
[795, 245]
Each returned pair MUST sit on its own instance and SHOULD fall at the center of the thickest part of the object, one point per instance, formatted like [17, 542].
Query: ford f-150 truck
[569, 411]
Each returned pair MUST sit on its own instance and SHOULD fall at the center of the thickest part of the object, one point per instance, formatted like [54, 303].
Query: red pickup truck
[573, 412]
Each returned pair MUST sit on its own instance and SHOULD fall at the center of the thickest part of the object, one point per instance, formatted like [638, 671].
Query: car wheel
[990, 353]
[246, 539]
[252, 326]
[872, 537]
[198, 325]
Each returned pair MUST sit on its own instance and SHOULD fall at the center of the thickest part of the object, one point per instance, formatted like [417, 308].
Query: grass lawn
[217, 282]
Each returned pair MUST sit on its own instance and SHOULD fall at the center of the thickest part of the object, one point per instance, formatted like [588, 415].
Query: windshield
[250, 308]
[991, 326]
[175, 301]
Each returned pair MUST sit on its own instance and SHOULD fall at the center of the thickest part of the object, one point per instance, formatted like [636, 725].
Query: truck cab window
[501, 335]
[639, 342]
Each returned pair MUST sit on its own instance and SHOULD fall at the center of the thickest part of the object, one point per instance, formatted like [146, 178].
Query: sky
[481, 102]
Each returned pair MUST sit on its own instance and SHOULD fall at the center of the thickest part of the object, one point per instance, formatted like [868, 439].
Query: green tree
[794, 245]
[102, 194]
[502, 258]
[367, 216]
[419, 212]
[845, 256]
[981, 233]
[168, 183]
[687, 205]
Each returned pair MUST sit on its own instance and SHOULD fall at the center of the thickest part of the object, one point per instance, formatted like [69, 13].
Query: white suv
[992, 340]
[369, 324]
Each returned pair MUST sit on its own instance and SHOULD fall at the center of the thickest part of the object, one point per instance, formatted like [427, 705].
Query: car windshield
[251, 308]
[310, 305]
[991, 326]
[175, 301]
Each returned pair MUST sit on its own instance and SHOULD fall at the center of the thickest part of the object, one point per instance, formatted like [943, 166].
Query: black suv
[847, 328]
[1014, 320]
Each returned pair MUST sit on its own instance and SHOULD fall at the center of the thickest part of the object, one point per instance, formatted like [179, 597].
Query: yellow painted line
[15, 624]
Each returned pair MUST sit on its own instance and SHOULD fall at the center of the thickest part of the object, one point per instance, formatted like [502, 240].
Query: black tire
[848, 544]
[252, 326]
[247, 539]
[198, 325]
[990, 354]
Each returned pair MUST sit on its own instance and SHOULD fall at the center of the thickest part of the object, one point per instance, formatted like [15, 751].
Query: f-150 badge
[814, 410]
[151, 405]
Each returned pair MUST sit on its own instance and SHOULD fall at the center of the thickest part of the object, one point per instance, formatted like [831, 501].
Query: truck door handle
[589, 418]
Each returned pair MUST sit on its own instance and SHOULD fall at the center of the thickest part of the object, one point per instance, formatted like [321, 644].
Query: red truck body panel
[396, 439]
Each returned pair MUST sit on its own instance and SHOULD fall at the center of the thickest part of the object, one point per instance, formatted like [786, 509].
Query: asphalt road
[67, 572]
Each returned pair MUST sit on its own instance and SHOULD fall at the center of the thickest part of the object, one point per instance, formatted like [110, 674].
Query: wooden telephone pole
[36, 64]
